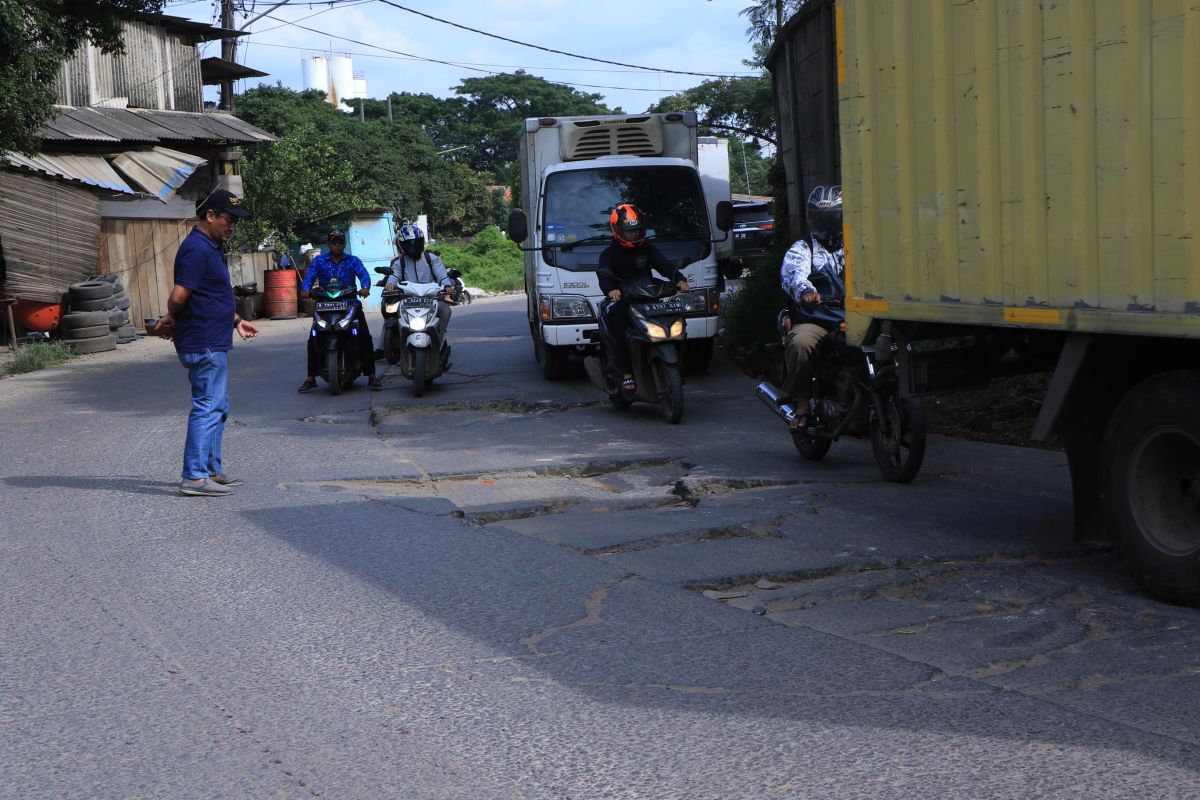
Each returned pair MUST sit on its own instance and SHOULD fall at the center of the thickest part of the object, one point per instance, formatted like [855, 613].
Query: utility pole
[389, 109]
[228, 53]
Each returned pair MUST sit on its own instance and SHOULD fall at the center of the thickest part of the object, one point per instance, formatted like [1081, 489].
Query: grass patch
[489, 261]
[39, 355]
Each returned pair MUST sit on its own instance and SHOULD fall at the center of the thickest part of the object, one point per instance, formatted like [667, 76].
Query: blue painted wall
[370, 237]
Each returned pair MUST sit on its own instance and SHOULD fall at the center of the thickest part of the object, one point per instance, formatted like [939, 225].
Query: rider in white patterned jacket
[820, 258]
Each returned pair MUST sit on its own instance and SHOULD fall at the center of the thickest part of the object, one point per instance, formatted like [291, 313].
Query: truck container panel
[1022, 163]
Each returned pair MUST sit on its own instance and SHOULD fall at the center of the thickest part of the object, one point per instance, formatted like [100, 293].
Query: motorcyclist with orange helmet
[628, 257]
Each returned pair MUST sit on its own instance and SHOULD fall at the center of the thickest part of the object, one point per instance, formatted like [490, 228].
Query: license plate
[657, 309]
[739, 236]
[335, 305]
[419, 302]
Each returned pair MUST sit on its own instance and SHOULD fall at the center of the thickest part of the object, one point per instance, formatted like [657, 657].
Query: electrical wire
[549, 49]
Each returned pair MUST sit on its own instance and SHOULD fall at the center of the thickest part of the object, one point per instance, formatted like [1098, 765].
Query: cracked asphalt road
[507, 589]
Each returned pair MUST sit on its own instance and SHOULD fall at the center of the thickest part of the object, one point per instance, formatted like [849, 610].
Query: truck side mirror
[724, 215]
[518, 225]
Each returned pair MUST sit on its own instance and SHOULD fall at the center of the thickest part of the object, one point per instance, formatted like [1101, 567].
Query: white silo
[341, 79]
[315, 71]
[360, 85]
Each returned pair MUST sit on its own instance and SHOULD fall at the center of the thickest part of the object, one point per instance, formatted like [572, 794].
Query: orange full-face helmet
[628, 225]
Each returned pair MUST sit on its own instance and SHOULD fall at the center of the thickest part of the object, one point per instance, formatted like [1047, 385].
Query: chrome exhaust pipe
[775, 401]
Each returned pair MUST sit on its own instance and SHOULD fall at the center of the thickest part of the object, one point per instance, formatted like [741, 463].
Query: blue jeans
[208, 373]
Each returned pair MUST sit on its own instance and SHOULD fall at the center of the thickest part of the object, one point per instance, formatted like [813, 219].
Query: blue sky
[702, 36]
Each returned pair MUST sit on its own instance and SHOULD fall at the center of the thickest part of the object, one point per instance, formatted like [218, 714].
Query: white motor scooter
[425, 355]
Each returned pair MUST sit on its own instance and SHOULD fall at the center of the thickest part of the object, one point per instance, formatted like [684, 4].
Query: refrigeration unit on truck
[574, 171]
[1022, 193]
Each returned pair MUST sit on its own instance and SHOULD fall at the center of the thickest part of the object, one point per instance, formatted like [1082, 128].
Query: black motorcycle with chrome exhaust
[656, 334]
[855, 392]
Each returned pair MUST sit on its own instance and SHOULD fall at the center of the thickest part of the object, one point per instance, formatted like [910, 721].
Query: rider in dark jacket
[627, 258]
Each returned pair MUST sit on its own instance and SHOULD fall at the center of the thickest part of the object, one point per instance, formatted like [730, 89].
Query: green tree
[741, 106]
[36, 37]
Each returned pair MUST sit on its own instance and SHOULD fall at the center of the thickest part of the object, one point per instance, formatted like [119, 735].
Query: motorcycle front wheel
[671, 399]
[419, 357]
[332, 372]
[898, 437]
[811, 448]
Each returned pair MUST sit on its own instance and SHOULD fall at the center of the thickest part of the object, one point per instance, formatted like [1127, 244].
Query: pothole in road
[506, 407]
[495, 496]
[352, 417]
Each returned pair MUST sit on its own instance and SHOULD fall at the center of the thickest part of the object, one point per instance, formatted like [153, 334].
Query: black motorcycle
[389, 308]
[336, 331]
[856, 392]
[656, 333]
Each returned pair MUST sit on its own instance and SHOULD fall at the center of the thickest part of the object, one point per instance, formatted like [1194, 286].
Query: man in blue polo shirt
[201, 317]
[338, 265]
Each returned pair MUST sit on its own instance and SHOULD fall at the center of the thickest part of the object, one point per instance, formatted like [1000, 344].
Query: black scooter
[336, 330]
[656, 334]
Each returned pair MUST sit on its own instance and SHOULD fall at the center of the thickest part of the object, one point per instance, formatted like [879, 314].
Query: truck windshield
[578, 204]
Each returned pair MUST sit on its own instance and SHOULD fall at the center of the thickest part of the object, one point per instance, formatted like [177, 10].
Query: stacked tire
[99, 318]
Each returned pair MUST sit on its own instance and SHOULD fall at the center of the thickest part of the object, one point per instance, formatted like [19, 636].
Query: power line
[548, 49]
[457, 65]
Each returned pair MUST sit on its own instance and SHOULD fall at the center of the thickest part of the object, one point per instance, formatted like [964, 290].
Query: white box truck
[574, 171]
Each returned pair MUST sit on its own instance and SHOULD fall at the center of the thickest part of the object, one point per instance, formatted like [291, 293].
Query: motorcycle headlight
[345, 321]
[417, 324]
[677, 328]
[655, 331]
[322, 323]
[392, 308]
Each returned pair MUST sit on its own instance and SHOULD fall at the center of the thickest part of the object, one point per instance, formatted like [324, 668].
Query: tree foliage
[741, 106]
[36, 37]
[489, 261]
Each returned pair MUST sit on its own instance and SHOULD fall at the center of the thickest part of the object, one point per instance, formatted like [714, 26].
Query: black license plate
[419, 302]
[335, 305]
[659, 309]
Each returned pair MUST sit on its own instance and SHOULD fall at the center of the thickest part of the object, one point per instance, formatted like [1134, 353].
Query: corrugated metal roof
[92, 170]
[214, 70]
[65, 127]
[159, 171]
[146, 125]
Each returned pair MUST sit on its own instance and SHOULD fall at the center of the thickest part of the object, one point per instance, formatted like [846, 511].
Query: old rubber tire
[89, 332]
[671, 398]
[117, 318]
[126, 332]
[333, 375]
[898, 440]
[420, 358]
[1151, 484]
[697, 358]
[122, 301]
[84, 319]
[552, 360]
[102, 304]
[98, 344]
[89, 290]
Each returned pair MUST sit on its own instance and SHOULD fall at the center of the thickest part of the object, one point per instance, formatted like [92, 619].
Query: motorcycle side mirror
[382, 271]
[518, 226]
[453, 273]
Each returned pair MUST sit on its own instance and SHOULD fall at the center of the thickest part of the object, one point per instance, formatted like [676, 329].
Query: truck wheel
[551, 359]
[698, 356]
[332, 374]
[1151, 484]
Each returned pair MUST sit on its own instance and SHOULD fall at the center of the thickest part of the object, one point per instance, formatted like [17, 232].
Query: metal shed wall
[1023, 162]
[51, 233]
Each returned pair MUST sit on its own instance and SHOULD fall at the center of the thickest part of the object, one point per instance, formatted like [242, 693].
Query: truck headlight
[564, 306]
[694, 302]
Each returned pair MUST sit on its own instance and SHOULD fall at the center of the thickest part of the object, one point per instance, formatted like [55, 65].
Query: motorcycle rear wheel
[898, 440]
[811, 448]
[332, 372]
[419, 357]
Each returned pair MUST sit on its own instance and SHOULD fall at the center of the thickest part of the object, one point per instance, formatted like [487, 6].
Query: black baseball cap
[336, 233]
[222, 200]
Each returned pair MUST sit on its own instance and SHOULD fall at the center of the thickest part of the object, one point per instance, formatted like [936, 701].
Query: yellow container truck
[1022, 193]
